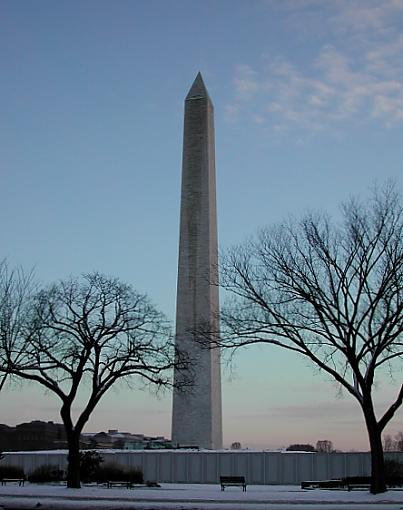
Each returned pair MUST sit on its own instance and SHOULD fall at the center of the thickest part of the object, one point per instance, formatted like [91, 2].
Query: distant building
[114, 439]
[102, 440]
[300, 448]
[41, 435]
[6, 437]
[35, 435]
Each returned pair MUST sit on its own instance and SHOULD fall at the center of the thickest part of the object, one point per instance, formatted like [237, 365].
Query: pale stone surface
[196, 415]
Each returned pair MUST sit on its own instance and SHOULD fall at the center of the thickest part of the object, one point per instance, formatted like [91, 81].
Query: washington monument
[196, 413]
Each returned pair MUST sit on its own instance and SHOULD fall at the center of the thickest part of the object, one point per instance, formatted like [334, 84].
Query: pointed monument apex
[198, 89]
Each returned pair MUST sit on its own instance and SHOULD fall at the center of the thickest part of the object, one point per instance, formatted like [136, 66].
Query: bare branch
[332, 293]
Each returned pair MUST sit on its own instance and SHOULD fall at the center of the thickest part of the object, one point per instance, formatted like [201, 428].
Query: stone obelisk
[196, 413]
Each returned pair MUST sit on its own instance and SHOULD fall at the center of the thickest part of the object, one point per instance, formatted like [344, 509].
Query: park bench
[350, 483]
[394, 481]
[20, 481]
[364, 482]
[151, 484]
[233, 481]
[323, 484]
[119, 483]
[357, 482]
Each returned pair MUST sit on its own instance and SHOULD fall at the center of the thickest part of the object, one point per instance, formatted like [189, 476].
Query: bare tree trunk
[73, 467]
[73, 442]
[378, 480]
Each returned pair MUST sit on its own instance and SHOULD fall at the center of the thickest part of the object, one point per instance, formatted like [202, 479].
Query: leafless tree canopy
[331, 292]
[16, 290]
[393, 444]
[324, 446]
[89, 333]
[95, 328]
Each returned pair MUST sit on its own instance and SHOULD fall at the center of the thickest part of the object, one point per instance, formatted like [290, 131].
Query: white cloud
[358, 77]
[366, 15]
[258, 119]
[245, 82]
[231, 112]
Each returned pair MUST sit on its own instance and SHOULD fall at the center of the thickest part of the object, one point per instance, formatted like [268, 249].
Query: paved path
[193, 497]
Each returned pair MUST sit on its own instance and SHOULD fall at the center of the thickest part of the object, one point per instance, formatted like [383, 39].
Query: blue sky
[308, 99]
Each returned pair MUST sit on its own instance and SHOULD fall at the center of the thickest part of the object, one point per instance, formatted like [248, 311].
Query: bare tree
[324, 446]
[399, 442]
[16, 291]
[393, 444]
[94, 330]
[331, 292]
[388, 443]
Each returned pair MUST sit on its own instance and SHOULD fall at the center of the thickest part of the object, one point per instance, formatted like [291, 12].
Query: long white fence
[178, 466]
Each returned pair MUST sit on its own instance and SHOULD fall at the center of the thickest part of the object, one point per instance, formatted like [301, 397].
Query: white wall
[259, 467]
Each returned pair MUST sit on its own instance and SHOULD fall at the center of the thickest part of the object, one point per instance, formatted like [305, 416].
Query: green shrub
[90, 462]
[11, 472]
[46, 473]
[118, 473]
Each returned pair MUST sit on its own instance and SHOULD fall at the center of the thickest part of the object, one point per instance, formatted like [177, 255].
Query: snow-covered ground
[187, 496]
